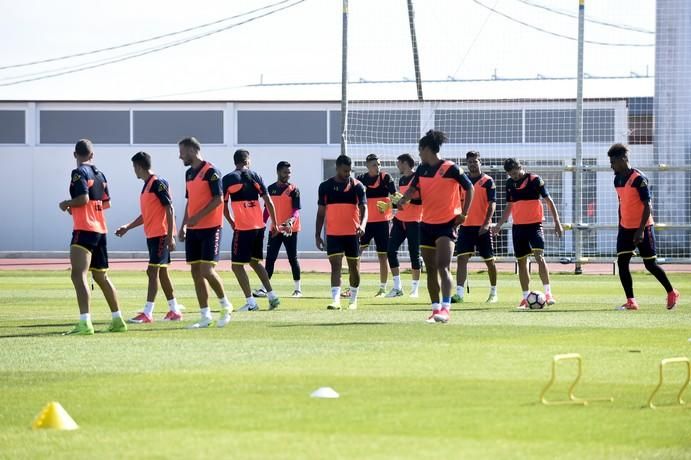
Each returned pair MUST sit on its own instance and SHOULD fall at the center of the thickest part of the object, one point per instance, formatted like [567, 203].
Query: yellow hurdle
[573, 399]
[663, 363]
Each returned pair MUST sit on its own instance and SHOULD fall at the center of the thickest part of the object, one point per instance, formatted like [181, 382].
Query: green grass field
[468, 389]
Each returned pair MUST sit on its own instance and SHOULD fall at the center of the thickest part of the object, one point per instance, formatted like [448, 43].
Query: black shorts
[469, 239]
[646, 249]
[159, 255]
[203, 245]
[343, 245]
[247, 245]
[380, 232]
[94, 243]
[430, 233]
[527, 238]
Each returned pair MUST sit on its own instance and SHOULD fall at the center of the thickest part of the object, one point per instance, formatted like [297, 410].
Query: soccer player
[242, 188]
[286, 199]
[88, 250]
[379, 186]
[474, 233]
[158, 217]
[439, 183]
[405, 226]
[201, 230]
[636, 226]
[343, 203]
[523, 204]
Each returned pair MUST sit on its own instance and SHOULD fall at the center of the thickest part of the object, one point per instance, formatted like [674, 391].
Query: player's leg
[648, 252]
[461, 277]
[429, 256]
[522, 250]
[381, 239]
[257, 255]
[241, 255]
[444, 255]
[486, 249]
[536, 238]
[413, 237]
[174, 309]
[396, 238]
[99, 270]
[352, 254]
[291, 245]
[335, 253]
[80, 260]
[625, 248]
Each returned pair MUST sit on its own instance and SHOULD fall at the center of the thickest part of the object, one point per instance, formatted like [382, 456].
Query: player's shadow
[456, 309]
[32, 334]
[352, 323]
[31, 326]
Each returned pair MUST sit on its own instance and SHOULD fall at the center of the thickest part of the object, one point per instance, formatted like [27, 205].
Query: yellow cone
[54, 416]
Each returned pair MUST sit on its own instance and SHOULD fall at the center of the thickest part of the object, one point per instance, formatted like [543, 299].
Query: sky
[459, 39]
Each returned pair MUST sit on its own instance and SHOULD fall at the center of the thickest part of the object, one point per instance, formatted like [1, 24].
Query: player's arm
[75, 202]
[362, 207]
[182, 233]
[504, 218]
[269, 205]
[465, 183]
[319, 225]
[410, 193]
[558, 229]
[170, 238]
[644, 194]
[127, 227]
[491, 206]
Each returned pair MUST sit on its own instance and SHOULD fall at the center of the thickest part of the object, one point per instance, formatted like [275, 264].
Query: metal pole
[578, 171]
[416, 57]
[344, 81]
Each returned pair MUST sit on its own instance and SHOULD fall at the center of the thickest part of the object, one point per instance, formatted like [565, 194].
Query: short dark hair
[241, 156]
[511, 163]
[406, 158]
[142, 159]
[618, 150]
[191, 142]
[371, 157]
[472, 154]
[433, 140]
[344, 160]
[83, 147]
[281, 165]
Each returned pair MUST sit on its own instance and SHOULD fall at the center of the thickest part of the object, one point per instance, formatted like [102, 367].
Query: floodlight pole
[578, 170]
[344, 81]
[416, 56]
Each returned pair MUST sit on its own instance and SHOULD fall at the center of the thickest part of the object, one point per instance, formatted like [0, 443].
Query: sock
[548, 290]
[382, 286]
[225, 303]
[353, 294]
[414, 284]
[251, 300]
[335, 293]
[85, 317]
[525, 294]
[271, 295]
[445, 300]
[173, 305]
[149, 308]
[297, 285]
[436, 306]
[493, 290]
[116, 314]
[460, 291]
[397, 282]
[631, 299]
[205, 312]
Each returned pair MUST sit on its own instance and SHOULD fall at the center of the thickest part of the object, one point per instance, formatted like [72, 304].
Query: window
[481, 126]
[12, 127]
[281, 126]
[169, 126]
[377, 127]
[101, 127]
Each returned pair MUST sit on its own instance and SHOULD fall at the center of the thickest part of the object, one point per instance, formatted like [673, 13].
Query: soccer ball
[536, 300]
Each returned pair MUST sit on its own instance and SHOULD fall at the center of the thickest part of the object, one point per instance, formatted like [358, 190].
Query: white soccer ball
[536, 300]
